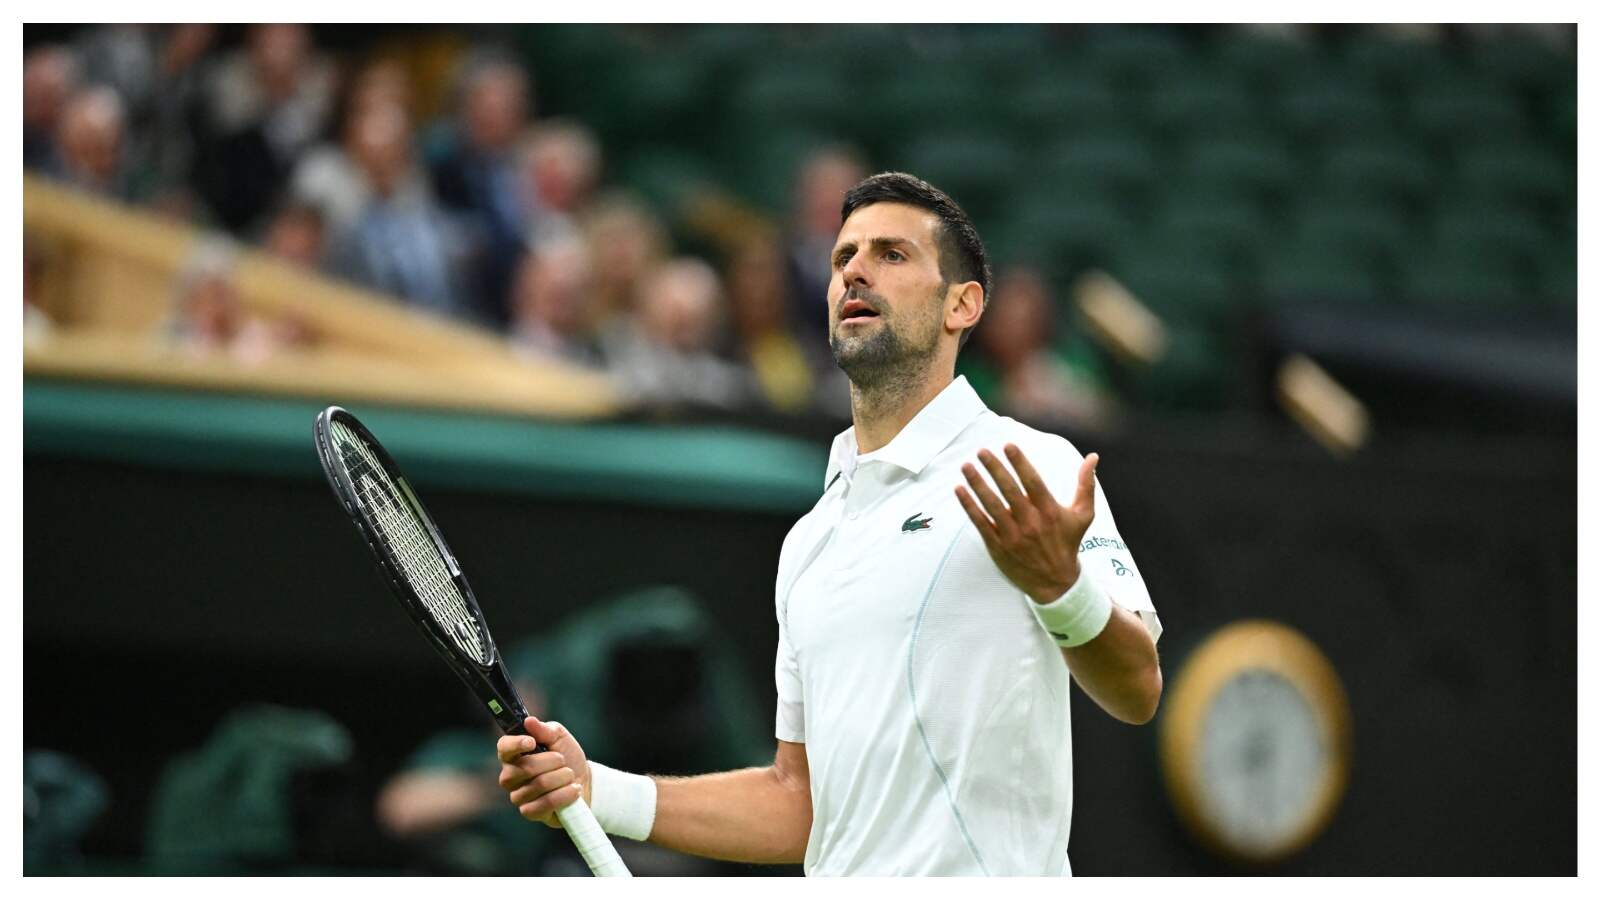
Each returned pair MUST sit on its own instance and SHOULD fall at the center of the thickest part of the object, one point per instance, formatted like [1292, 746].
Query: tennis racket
[429, 584]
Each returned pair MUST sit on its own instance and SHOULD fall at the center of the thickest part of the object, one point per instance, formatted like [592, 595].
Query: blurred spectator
[757, 296]
[475, 172]
[209, 319]
[663, 353]
[561, 167]
[553, 304]
[91, 141]
[296, 234]
[49, 78]
[1019, 370]
[264, 106]
[398, 241]
[819, 192]
[625, 241]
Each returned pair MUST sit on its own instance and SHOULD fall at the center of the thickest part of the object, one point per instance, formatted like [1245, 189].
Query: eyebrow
[877, 243]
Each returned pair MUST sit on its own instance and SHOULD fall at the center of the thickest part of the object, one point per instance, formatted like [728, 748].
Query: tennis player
[958, 568]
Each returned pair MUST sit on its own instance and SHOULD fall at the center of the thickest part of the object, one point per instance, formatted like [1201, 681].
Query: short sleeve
[791, 719]
[791, 724]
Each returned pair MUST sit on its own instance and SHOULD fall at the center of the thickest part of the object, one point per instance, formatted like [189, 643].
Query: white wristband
[1078, 616]
[623, 803]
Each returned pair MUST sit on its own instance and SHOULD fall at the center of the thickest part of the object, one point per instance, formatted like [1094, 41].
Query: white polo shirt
[932, 704]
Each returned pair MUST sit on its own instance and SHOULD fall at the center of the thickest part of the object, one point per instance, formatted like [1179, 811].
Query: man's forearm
[757, 815]
[1119, 669]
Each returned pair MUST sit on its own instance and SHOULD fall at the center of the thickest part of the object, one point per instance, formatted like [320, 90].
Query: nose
[854, 273]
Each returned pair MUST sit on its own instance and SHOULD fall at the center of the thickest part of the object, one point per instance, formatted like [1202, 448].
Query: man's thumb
[546, 733]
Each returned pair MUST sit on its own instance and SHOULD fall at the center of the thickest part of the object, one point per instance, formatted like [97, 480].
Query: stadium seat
[1061, 234]
[1394, 62]
[1262, 59]
[974, 169]
[1523, 62]
[923, 98]
[1456, 108]
[1133, 55]
[1202, 100]
[1253, 166]
[1446, 277]
[788, 96]
[1487, 230]
[1205, 217]
[1517, 170]
[1385, 168]
[1109, 160]
[1334, 103]
[1063, 101]
[1305, 271]
[1558, 276]
[1367, 229]
[1183, 280]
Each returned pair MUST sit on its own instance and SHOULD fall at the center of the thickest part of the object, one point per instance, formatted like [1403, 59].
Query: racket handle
[592, 842]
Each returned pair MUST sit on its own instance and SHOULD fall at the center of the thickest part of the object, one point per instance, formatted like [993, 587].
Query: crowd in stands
[480, 210]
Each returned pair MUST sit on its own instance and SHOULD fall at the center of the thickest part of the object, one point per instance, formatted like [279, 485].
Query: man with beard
[958, 572]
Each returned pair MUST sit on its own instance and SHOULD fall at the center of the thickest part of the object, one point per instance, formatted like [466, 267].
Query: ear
[965, 306]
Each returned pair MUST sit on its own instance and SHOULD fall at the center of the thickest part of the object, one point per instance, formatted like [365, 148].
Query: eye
[840, 258]
[894, 256]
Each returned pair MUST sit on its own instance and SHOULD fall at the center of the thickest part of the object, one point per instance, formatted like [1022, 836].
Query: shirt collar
[929, 431]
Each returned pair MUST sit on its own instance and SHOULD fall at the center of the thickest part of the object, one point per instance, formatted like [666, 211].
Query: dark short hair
[962, 256]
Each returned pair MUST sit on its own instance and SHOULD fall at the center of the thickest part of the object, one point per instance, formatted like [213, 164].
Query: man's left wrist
[1049, 593]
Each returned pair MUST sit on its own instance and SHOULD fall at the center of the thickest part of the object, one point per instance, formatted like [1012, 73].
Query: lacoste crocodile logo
[916, 524]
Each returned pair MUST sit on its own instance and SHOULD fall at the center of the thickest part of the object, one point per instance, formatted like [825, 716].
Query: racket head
[417, 564]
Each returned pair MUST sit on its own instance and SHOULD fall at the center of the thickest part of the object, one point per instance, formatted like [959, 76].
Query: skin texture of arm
[1034, 540]
[756, 815]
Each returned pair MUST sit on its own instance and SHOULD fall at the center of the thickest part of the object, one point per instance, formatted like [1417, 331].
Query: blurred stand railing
[107, 277]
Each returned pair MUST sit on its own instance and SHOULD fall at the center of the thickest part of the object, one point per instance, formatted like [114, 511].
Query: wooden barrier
[109, 287]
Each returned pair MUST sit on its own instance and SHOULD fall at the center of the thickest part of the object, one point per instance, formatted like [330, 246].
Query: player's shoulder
[1046, 450]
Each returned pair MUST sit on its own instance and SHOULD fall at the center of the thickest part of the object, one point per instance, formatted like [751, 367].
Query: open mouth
[855, 310]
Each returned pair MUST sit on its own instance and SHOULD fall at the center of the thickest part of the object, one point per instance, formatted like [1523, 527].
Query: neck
[880, 411]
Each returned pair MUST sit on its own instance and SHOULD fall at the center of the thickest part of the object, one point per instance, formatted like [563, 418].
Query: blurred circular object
[1255, 742]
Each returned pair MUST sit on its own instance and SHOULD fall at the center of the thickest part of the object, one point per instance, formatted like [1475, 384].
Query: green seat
[1524, 62]
[1203, 101]
[1486, 230]
[1202, 218]
[1385, 168]
[1350, 225]
[919, 100]
[788, 96]
[1197, 372]
[1062, 101]
[1447, 277]
[1118, 161]
[1519, 171]
[1394, 62]
[1558, 277]
[1453, 109]
[1062, 235]
[1258, 167]
[1185, 281]
[1337, 104]
[1304, 271]
[1134, 54]
[975, 170]
[1263, 59]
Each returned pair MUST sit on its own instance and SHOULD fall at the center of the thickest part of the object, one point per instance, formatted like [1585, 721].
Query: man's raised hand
[1031, 537]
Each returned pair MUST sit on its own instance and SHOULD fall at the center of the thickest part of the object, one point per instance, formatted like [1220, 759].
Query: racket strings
[410, 542]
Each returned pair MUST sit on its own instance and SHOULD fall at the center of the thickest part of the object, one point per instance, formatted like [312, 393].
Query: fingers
[545, 807]
[1015, 498]
[1083, 502]
[526, 768]
[1032, 482]
[547, 733]
[976, 514]
[512, 746]
[989, 500]
[543, 784]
